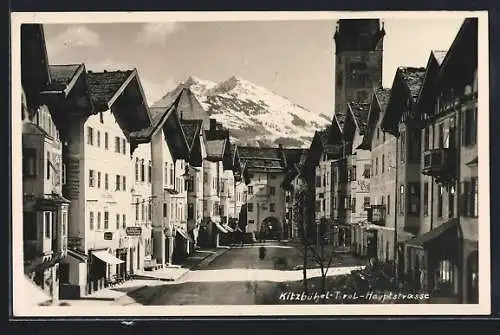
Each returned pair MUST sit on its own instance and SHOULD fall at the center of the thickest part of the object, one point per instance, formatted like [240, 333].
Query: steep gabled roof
[191, 129]
[169, 121]
[458, 66]
[64, 76]
[404, 93]
[189, 108]
[35, 75]
[380, 98]
[439, 55]
[414, 78]
[426, 93]
[104, 87]
[359, 113]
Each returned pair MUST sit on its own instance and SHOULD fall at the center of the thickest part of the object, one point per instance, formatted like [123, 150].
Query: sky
[294, 59]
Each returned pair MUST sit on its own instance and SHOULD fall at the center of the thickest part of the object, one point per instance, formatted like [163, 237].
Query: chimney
[213, 124]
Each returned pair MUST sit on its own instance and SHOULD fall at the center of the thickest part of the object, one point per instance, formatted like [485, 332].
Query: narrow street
[238, 277]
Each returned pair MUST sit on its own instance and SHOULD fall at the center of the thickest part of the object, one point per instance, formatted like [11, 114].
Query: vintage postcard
[250, 163]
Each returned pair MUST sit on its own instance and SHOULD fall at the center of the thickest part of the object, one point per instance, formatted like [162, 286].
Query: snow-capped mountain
[253, 114]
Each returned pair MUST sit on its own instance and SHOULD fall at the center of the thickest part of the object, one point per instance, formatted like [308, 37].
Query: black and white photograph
[259, 163]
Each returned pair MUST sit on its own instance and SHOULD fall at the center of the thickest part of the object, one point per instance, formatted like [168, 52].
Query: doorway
[472, 278]
[371, 241]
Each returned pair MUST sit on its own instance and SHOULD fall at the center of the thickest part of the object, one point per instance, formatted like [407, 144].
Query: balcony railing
[438, 162]
[377, 214]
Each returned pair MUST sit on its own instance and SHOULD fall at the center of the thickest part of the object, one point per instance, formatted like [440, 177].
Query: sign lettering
[72, 187]
[133, 231]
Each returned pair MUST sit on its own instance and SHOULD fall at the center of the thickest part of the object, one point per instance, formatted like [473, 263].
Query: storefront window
[445, 278]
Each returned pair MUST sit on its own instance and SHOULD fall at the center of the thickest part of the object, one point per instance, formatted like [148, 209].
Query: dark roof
[188, 106]
[324, 135]
[173, 130]
[104, 85]
[34, 63]
[261, 158]
[360, 114]
[247, 152]
[293, 155]
[414, 78]
[382, 95]
[61, 75]
[191, 128]
[378, 106]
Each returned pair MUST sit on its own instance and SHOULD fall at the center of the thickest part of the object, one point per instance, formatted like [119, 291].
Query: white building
[265, 170]
[99, 111]
[170, 154]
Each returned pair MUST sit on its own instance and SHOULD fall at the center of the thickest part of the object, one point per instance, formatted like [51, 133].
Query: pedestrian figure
[422, 279]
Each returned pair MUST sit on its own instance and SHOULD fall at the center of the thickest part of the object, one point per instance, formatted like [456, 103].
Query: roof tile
[103, 85]
[61, 75]
[414, 78]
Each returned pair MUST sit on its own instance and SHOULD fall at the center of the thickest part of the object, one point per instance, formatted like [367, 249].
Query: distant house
[265, 170]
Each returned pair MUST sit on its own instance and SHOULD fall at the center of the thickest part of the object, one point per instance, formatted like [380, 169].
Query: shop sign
[108, 235]
[133, 231]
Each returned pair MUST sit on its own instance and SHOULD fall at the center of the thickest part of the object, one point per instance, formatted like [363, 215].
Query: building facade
[449, 179]
[358, 167]
[170, 156]
[45, 210]
[376, 237]
[264, 168]
[98, 172]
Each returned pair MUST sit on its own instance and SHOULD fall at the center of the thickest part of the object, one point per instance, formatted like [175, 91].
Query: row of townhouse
[395, 177]
[111, 186]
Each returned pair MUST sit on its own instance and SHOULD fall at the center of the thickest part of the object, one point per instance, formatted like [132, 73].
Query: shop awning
[218, 225]
[107, 257]
[185, 235]
[431, 235]
[80, 256]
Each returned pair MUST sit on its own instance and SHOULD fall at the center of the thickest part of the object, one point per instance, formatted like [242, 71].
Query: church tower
[358, 60]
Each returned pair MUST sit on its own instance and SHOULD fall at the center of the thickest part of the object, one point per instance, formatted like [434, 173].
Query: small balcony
[377, 214]
[438, 162]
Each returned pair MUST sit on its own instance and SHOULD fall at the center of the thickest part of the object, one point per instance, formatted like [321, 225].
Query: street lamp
[185, 175]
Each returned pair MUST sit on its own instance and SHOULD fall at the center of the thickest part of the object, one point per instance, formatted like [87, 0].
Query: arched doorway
[472, 278]
[271, 228]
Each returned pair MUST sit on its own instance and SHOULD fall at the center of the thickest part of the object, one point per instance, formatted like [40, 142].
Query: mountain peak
[192, 80]
[255, 114]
